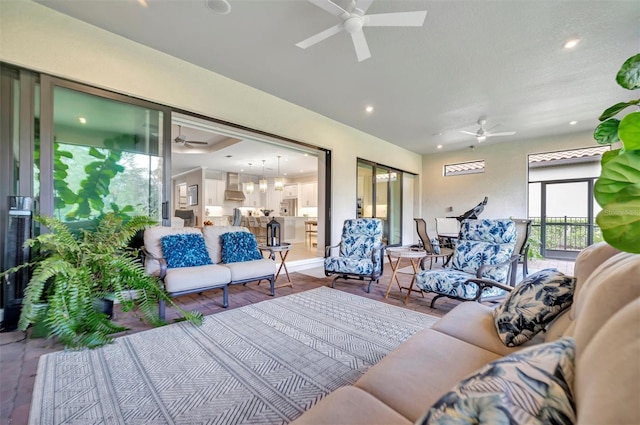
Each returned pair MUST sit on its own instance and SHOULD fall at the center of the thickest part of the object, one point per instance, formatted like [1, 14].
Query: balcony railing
[570, 234]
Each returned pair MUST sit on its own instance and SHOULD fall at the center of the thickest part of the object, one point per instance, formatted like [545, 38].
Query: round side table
[283, 250]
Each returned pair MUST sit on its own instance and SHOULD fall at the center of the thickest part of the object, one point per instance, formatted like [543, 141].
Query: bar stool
[311, 230]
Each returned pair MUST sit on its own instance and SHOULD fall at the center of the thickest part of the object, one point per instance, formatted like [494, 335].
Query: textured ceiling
[499, 59]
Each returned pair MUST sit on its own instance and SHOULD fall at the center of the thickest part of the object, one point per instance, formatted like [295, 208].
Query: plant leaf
[629, 74]
[617, 174]
[613, 110]
[629, 131]
[607, 132]
[609, 155]
[620, 220]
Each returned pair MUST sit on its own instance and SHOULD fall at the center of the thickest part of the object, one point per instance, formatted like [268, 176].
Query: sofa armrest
[146, 256]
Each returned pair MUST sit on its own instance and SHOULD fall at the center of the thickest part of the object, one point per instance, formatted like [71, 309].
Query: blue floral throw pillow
[185, 250]
[532, 305]
[531, 386]
[239, 246]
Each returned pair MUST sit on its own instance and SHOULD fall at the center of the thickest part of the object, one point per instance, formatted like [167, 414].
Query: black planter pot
[104, 305]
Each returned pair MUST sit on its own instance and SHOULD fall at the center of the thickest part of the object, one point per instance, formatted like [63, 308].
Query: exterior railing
[564, 233]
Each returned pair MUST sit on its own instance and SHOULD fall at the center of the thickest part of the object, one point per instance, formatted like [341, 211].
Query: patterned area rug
[264, 363]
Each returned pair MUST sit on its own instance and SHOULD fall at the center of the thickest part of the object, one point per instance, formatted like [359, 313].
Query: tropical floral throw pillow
[532, 305]
[185, 250]
[531, 386]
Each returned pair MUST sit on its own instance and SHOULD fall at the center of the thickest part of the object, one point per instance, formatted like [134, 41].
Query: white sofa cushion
[212, 239]
[189, 278]
[247, 270]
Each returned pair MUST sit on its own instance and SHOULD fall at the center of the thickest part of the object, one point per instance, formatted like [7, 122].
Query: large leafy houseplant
[75, 269]
[617, 190]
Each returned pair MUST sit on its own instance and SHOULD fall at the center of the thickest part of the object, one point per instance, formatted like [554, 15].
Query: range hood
[233, 191]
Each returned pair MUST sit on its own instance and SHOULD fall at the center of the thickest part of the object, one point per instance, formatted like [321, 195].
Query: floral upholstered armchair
[360, 252]
[483, 255]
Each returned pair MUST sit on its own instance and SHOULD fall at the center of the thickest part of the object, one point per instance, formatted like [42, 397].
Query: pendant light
[278, 182]
[249, 187]
[263, 182]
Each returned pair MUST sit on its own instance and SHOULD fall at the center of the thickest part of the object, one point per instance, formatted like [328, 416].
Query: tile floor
[19, 354]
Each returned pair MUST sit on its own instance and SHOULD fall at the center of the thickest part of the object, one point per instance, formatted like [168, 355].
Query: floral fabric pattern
[532, 305]
[532, 386]
[185, 250]
[360, 237]
[239, 246]
[481, 242]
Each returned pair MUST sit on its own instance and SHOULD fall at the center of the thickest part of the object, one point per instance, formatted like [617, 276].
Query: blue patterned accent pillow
[239, 246]
[532, 386]
[185, 250]
[532, 305]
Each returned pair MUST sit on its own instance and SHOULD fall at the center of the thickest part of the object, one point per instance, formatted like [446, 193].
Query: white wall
[39, 38]
[504, 180]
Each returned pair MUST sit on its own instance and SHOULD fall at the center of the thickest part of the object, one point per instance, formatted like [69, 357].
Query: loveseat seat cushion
[473, 322]
[190, 278]
[416, 374]
[247, 270]
[351, 405]
[153, 243]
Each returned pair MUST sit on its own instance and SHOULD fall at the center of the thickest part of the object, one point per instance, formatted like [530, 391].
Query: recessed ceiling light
[570, 44]
[82, 120]
[221, 7]
[143, 3]
[573, 123]
[439, 146]
[369, 108]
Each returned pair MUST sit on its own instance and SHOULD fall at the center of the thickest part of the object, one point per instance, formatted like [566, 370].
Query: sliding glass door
[379, 195]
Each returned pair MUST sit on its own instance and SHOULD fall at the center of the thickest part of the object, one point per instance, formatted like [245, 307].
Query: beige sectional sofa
[185, 280]
[604, 321]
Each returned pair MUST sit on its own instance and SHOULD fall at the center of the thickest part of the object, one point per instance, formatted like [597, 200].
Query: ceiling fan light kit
[482, 133]
[354, 19]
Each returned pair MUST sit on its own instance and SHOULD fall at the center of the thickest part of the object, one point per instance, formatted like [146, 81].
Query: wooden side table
[414, 255]
[283, 250]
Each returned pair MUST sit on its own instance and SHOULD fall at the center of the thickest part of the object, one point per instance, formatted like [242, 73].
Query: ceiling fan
[482, 133]
[183, 140]
[354, 18]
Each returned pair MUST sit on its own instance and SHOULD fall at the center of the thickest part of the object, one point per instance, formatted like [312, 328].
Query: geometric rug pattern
[264, 363]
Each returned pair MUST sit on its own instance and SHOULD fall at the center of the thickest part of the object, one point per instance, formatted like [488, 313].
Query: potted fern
[76, 269]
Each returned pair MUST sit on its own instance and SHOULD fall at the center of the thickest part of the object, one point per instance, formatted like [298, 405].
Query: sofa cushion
[531, 386]
[238, 247]
[190, 278]
[248, 270]
[415, 375]
[212, 239]
[532, 305]
[607, 383]
[588, 260]
[185, 250]
[153, 244]
[351, 405]
[609, 288]
[473, 322]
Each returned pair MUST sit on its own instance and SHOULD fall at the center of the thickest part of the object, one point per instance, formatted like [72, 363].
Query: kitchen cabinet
[308, 195]
[274, 197]
[214, 192]
[290, 191]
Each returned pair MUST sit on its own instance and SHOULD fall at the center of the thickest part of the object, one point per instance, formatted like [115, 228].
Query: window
[473, 167]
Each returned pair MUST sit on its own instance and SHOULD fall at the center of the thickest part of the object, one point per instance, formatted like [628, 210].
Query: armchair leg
[435, 298]
[368, 287]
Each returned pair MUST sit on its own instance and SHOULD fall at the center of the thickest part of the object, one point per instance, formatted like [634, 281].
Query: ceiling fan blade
[194, 142]
[320, 36]
[360, 43]
[468, 132]
[363, 5]
[398, 19]
[504, 133]
[329, 6]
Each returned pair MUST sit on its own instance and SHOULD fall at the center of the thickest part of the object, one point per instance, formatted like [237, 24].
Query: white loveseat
[219, 275]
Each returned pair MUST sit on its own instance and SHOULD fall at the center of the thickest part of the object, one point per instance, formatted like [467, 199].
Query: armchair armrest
[328, 248]
[146, 256]
[512, 262]
[377, 257]
[485, 283]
